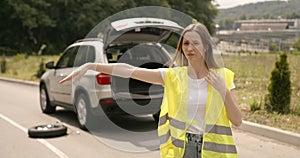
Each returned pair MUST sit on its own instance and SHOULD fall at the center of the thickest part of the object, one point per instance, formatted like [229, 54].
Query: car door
[62, 92]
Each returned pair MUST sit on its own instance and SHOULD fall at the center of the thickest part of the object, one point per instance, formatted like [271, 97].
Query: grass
[252, 74]
[25, 67]
[290, 122]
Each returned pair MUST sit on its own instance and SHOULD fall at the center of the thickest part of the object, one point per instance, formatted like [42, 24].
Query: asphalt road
[19, 110]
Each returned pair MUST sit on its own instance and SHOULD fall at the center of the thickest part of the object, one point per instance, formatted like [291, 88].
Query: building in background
[259, 35]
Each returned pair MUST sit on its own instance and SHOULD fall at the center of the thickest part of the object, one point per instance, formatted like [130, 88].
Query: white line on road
[42, 141]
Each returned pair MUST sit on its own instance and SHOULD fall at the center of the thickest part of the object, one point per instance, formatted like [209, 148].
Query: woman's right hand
[80, 71]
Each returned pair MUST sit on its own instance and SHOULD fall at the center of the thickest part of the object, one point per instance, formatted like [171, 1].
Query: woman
[199, 102]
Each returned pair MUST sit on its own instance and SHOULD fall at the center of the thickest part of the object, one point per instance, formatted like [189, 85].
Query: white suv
[137, 41]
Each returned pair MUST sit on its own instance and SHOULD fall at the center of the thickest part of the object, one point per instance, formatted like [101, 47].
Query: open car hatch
[140, 30]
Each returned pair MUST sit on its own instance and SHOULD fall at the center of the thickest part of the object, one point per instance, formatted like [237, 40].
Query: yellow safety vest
[217, 136]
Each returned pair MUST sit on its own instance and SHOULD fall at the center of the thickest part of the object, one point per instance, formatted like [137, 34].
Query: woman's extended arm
[118, 69]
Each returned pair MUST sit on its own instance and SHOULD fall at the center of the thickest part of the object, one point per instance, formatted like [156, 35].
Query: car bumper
[133, 107]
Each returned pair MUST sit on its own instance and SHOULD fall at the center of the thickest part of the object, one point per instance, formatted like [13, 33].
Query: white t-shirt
[197, 97]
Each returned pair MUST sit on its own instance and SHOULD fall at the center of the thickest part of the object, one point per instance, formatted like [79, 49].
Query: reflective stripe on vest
[218, 129]
[164, 138]
[175, 124]
[221, 148]
[177, 142]
[163, 119]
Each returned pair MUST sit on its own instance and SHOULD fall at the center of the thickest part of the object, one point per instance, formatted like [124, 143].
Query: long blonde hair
[206, 41]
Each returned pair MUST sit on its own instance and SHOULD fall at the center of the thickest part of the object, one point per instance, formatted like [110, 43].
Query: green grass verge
[25, 67]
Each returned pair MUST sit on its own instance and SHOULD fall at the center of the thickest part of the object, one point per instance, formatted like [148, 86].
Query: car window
[67, 59]
[115, 53]
[76, 56]
[91, 54]
[84, 54]
[142, 54]
[149, 53]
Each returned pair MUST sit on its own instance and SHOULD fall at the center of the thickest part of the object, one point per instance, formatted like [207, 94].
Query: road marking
[42, 141]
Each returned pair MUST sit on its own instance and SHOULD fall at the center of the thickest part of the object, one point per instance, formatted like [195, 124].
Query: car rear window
[138, 55]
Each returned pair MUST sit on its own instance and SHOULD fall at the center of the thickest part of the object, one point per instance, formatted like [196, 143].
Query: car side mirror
[50, 65]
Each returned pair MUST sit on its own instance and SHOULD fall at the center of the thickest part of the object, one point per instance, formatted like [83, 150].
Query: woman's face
[192, 46]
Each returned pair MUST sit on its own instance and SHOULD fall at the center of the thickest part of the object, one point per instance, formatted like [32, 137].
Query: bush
[279, 96]
[3, 64]
[41, 69]
[273, 47]
[256, 105]
[296, 45]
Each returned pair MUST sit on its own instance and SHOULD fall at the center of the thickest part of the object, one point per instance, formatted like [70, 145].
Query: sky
[233, 3]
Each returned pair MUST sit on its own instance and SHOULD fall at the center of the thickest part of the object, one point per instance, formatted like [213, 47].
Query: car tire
[45, 103]
[83, 111]
[47, 131]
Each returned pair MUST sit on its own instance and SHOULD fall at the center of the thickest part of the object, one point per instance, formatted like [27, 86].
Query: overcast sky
[233, 3]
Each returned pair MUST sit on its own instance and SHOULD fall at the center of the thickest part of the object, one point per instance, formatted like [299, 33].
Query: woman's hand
[76, 74]
[229, 98]
[217, 82]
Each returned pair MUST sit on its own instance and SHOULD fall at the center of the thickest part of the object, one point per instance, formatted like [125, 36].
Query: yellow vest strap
[220, 148]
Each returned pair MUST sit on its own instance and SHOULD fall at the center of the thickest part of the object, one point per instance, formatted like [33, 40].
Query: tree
[279, 96]
[293, 15]
[29, 20]
[273, 47]
[3, 64]
[226, 24]
[243, 17]
[202, 10]
[27, 25]
[41, 70]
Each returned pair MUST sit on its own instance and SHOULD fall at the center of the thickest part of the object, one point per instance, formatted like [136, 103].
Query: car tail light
[103, 78]
[107, 101]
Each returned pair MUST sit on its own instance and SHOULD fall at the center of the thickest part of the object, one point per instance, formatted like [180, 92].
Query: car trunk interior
[138, 46]
[146, 56]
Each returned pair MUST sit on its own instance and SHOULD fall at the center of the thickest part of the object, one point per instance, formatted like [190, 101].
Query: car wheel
[47, 131]
[83, 111]
[45, 101]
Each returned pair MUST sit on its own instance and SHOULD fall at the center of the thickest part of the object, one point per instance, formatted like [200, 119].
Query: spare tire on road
[47, 131]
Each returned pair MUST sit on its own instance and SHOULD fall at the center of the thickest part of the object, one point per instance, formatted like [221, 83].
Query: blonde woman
[199, 103]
